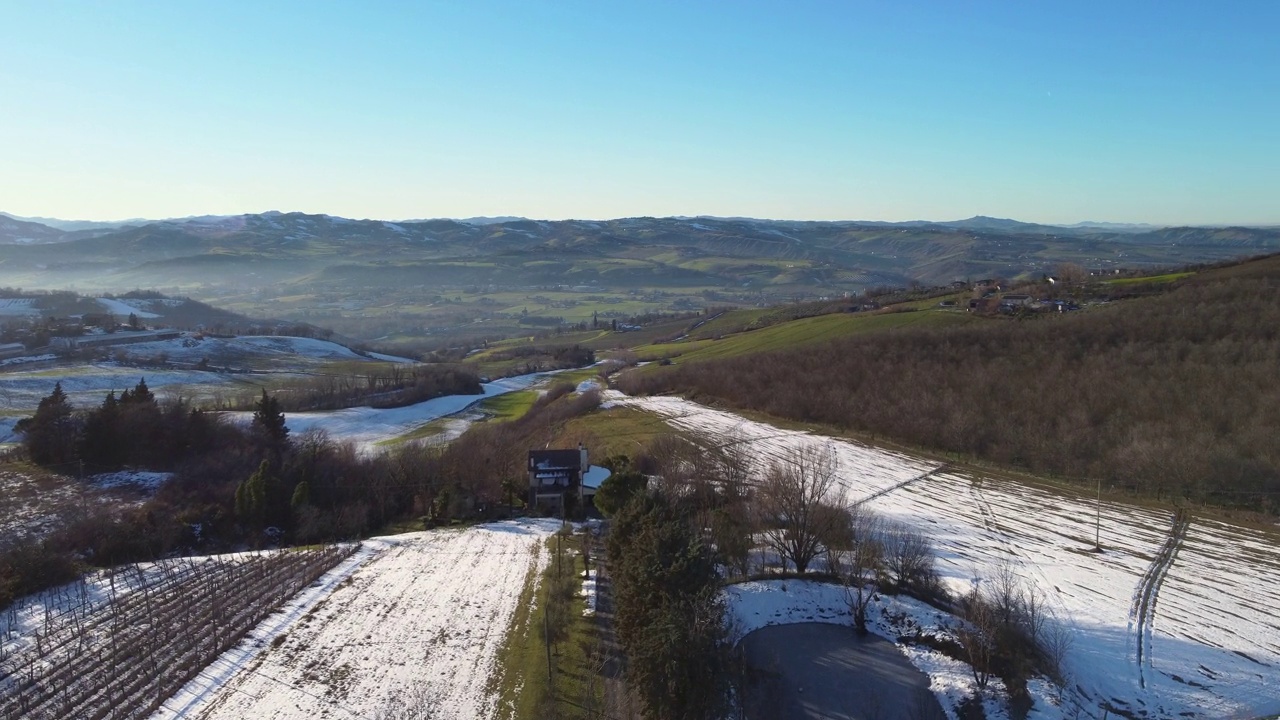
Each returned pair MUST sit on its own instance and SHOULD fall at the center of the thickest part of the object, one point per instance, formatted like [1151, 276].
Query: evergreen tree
[668, 610]
[101, 443]
[301, 496]
[50, 435]
[268, 419]
[142, 430]
[618, 489]
[141, 395]
[251, 496]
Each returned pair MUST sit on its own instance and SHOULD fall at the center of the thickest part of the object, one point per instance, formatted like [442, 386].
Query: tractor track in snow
[898, 486]
[1143, 609]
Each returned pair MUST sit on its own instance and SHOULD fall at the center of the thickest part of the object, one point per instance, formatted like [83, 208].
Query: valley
[429, 284]
[1170, 617]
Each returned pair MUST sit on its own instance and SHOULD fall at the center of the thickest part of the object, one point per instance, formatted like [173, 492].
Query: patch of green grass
[614, 431]
[729, 322]
[524, 687]
[932, 302]
[806, 331]
[431, 429]
[509, 406]
[1166, 278]
[577, 376]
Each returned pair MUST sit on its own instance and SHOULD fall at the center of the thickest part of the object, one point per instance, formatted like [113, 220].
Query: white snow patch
[595, 475]
[118, 307]
[589, 592]
[427, 610]
[130, 478]
[18, 307]
[26, 359]
[367, 426]
[390, 358]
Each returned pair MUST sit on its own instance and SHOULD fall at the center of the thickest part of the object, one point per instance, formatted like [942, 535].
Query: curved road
[817, 671]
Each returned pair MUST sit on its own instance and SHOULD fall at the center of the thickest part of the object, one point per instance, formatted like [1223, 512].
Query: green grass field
[509, 406]
[615, 431]
[572, 687]
[1166, 278]
[806, 331]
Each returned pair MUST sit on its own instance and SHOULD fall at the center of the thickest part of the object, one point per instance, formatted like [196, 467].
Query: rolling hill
[370, 278]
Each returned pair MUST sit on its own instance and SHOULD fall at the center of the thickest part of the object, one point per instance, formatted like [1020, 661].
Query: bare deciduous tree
[978, 637]
[859, 563]
[908, 557]
[790, 503]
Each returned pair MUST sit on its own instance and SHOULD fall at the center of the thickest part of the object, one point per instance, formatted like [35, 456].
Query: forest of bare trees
[1173, 394]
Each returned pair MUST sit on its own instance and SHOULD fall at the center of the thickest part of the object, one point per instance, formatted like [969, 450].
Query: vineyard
[118, 643]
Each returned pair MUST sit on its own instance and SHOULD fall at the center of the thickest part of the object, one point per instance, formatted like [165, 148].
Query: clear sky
[1165, 112]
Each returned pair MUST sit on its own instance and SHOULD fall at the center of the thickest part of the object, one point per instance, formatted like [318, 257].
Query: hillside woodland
[255, 484]
[1173, 395]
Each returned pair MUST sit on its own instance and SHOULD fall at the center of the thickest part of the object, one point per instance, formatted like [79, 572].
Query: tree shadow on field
[818, 671]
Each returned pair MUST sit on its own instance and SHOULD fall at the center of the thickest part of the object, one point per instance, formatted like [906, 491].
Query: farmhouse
[10, 350]
[107, 340]
[555, 474]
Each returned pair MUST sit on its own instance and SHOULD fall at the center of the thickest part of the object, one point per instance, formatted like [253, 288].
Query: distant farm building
[86, 342]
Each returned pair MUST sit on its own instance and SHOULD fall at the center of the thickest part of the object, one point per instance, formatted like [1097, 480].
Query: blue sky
[1164, 112]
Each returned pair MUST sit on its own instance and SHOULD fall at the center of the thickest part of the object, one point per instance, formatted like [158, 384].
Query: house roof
[554, 459]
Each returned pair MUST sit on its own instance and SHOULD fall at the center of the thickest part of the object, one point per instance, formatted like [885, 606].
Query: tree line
[237, 484]
[388, 386]
[1176, 394]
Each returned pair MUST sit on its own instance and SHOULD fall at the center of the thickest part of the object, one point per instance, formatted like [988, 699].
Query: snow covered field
[87, 385]
[423, 616]
[243, 351]
[366, 426]
[1171, 619]
[18, 307]
[119, 307]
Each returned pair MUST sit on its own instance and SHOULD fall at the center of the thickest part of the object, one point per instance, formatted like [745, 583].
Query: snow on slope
[237, 350]
[87, 385]
[425, 615]
[368, 426]
[117, 307]
[18, 306]
[1210, 644]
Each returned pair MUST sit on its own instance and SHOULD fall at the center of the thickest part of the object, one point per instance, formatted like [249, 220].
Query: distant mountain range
[977, 222]
[259, 258]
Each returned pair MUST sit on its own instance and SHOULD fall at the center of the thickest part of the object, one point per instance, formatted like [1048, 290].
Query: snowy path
[421, 615]
[1143, 609]
[1213, 649]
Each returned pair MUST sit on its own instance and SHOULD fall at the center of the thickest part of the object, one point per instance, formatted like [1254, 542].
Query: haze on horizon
[1160, 112]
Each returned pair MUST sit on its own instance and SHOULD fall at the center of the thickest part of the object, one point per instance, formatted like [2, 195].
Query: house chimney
[582, 452]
